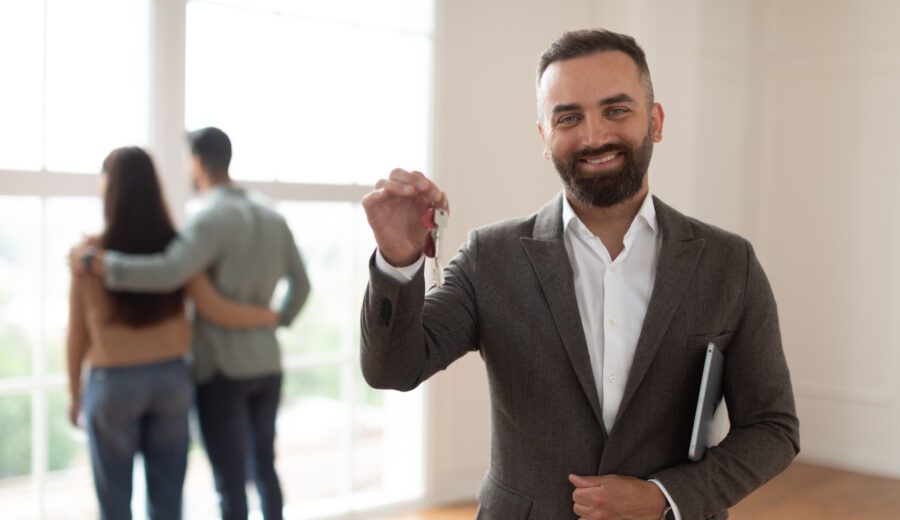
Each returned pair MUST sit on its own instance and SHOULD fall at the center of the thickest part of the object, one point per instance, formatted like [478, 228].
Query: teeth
[603, 159]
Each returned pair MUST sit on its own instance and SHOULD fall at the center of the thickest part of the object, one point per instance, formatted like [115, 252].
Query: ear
[540, 130]
[657, 116]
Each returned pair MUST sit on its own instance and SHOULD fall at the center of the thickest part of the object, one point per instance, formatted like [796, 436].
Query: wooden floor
[803, 492]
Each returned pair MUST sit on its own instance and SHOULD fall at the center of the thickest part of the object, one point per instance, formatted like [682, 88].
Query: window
[82, 82]
[67, 99]
[314, 93]
[41, 455]
[320, 99]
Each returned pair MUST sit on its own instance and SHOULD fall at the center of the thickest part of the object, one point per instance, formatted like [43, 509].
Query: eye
[617, 112]
[568, 119]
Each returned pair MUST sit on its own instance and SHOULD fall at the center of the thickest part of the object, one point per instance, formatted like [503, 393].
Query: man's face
[598, 127]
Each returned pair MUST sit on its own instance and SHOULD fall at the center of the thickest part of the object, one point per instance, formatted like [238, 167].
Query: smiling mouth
[602, 159]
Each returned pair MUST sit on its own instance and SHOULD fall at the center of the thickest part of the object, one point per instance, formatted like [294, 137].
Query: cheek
[562, 145]
[635, 137]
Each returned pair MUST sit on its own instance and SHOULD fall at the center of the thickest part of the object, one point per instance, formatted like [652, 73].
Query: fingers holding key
[421, 184]
[400, 189]
[399, 211]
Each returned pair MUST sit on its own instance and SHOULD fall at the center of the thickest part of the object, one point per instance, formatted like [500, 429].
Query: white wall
[782, 124]
[827, 226]
[487, 157]
[796, 124]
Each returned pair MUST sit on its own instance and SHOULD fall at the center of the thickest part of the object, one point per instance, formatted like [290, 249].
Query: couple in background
[127, 321]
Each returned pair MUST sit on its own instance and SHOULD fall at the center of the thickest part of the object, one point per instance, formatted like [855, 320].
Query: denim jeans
[237, 421]
[144, 409]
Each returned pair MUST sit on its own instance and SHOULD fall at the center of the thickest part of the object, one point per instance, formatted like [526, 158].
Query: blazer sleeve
[764, 436]
[408, 336]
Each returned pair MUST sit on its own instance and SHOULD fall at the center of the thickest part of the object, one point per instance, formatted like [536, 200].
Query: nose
[596, 132]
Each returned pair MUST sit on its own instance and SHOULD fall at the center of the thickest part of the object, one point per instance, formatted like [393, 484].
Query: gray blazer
[509, 293]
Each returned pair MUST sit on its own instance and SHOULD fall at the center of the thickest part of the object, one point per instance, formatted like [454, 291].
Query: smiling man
[592, 317]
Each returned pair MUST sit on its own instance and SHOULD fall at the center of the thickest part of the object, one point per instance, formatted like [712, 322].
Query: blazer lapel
[678, 258]
[547, 253]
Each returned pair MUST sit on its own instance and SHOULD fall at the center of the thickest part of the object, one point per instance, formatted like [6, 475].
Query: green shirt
[245, 247]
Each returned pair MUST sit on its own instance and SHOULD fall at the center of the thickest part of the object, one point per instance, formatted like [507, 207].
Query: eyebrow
[566, 107]
[618, 98]
[611, 100]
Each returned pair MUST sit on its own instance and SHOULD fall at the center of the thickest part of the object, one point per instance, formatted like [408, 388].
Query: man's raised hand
[397, 210]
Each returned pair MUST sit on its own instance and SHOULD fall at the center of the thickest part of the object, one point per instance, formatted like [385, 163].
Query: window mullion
[44, 96]
[39, 430]
[300, 192]
[166, 103]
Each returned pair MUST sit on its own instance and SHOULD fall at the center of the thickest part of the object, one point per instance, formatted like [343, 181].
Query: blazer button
[385, 312]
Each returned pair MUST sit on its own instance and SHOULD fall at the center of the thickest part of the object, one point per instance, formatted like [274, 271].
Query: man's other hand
[76, 264]
[613, 497]
[78, 252]
[397, 210]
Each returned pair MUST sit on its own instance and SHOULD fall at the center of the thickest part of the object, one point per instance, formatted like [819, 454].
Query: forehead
[587, 79]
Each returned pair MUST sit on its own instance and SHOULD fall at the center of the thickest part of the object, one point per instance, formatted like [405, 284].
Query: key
[439, 223]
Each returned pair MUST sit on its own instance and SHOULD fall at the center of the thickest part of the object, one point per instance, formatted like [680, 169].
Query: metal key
[440, 222]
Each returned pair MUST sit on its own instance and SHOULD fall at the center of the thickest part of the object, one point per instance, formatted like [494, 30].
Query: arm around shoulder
[194, 248]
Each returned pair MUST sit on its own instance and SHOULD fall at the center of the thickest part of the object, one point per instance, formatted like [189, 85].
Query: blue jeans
[143, 409]
[237, 420]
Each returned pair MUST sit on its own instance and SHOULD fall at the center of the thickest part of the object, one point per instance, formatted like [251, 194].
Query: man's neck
[212, 184]
[611, 223]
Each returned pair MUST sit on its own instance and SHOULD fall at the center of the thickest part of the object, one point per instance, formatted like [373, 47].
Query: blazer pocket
[700, 341]
[500, 501]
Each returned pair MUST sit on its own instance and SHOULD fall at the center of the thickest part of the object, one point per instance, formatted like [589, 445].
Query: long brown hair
[137, 222]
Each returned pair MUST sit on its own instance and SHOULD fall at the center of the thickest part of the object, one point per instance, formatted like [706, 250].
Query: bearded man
[592, 316]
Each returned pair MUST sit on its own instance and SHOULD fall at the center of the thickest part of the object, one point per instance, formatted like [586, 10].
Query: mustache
[602, 150]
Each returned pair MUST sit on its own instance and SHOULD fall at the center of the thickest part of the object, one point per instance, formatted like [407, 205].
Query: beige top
[93, 338]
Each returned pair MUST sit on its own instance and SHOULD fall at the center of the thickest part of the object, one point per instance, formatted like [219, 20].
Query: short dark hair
[213, 147]
[575, 44]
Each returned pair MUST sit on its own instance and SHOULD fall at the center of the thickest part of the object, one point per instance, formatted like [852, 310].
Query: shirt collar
[223, 190]
[646, 213]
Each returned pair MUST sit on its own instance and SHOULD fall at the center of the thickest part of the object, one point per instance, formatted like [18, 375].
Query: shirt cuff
[400, 274]
[112, 279]
[672, 504]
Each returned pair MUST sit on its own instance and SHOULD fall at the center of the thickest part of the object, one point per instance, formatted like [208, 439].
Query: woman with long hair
[139, 389]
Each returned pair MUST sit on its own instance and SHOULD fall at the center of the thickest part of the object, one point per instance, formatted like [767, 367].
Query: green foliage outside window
[15, 433]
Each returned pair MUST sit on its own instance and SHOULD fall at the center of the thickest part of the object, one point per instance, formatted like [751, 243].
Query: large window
[320, 99]
[76, 81]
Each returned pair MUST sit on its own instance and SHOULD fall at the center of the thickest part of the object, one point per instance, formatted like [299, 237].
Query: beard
[602, 190]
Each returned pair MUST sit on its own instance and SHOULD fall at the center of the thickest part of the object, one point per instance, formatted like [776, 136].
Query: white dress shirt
[612, 295]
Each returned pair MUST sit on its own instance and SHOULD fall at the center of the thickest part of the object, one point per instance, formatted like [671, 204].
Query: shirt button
[612, 379]
[613, 269]
[613, 322]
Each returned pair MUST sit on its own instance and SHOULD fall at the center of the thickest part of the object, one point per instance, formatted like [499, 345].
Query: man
[246, 248]
[592, 317]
